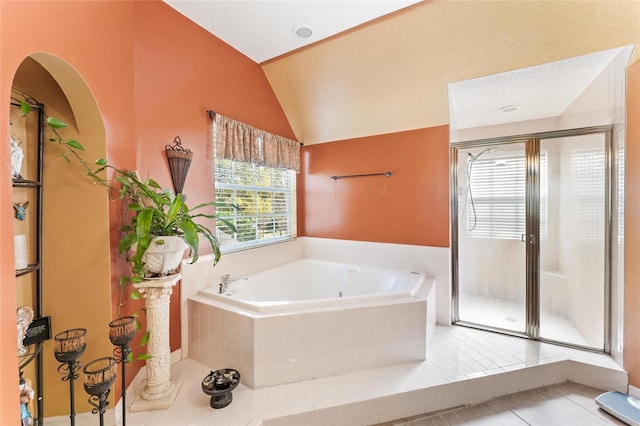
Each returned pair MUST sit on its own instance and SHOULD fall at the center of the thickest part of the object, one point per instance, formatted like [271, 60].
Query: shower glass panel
[573, 240]
[491, 203]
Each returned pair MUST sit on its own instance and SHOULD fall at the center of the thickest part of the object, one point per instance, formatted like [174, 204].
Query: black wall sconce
[179, 161]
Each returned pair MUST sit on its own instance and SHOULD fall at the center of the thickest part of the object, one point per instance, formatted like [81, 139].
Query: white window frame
[232, 182]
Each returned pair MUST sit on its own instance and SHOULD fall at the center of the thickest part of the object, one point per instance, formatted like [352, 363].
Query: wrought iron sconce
[179, 161]
[69, 345]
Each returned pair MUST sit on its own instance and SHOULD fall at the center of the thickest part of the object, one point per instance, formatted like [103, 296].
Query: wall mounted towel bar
[387, 174]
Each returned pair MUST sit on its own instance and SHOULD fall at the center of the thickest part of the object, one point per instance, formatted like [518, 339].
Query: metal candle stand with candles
[121, 333]
[69, 346]
[99, 375]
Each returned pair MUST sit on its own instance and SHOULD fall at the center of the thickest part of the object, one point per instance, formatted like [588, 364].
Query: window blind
[265, 198]
[498, 191]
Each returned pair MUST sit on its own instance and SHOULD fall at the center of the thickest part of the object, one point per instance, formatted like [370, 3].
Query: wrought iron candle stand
[69, 346]
[99, 375]
[121, 332]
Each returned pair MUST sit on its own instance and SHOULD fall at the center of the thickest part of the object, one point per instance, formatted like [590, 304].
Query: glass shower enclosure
[531, 235]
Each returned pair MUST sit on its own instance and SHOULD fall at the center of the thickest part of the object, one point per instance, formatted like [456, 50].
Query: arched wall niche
[76, 246]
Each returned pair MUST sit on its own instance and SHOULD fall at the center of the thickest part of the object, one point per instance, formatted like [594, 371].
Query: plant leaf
[144, 219]
[174, 209]
[190, 236]
[56, 123]
[135, 295]
[101, 162]
[127, 241]
[25, 108]
[123, 181]
[145, 338]
[72, 143]
[152, 183]
[144, 356]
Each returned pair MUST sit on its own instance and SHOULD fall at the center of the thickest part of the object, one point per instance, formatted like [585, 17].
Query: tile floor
[562, 404]
[463, 366]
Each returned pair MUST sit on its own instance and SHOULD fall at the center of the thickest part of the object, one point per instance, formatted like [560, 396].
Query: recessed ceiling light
[303, 30]
[509, 108]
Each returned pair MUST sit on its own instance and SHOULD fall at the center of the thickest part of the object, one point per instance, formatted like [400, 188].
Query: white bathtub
[309, 319]
[316, 284]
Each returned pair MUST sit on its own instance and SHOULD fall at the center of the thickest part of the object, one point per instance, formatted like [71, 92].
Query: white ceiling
[265, 29]
[537, 92]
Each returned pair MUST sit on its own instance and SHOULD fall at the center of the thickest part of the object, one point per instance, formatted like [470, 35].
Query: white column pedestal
[160, 391]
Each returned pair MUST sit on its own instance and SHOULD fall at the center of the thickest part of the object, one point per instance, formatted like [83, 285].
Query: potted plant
[159, 220]
[156, 217]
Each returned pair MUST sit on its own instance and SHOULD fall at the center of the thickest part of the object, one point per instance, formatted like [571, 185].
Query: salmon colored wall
[632, 230]
[153, 74]
[70, 31]
[410, 207]
[175, 86]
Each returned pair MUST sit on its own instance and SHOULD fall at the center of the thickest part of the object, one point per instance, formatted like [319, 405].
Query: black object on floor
[219, 385]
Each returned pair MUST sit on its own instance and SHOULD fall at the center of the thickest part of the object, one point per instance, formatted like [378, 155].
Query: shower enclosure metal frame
[532, 154]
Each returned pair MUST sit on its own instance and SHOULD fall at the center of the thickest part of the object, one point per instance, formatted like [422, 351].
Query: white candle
[20, 247]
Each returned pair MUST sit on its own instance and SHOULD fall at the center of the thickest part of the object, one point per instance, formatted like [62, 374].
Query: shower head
[475, 157]
[490, 149]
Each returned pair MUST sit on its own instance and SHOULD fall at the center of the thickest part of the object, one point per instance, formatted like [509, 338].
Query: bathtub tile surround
[288, 348]
[433, 261]
[200, 274]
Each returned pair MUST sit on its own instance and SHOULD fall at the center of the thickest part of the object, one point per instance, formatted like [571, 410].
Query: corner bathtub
[309, 319]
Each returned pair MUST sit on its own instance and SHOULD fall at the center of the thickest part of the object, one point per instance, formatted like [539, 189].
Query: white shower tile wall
[289, 348]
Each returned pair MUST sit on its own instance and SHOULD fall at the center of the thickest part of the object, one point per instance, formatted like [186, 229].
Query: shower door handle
[528, 238]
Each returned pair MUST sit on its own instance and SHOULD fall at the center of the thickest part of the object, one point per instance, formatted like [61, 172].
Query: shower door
[491, 193]
[573, 241]
[531, 236]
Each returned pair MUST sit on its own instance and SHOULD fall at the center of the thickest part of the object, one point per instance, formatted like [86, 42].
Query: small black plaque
[39, 330]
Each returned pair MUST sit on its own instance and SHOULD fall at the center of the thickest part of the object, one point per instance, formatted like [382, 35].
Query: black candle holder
[99, 375]
[121, 332]
[69, 346]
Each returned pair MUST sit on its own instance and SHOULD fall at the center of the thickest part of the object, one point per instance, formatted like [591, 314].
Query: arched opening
[76, 269]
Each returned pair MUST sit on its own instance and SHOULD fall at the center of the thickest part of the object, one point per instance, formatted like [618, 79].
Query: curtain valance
[242, 142]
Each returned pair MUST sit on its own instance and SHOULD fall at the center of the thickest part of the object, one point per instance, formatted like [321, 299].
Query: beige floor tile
[491, 413]
[563, 404]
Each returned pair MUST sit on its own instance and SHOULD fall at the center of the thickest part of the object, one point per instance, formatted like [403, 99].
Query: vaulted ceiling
[393, 75]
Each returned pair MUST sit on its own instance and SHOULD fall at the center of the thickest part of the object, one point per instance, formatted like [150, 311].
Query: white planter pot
[163, 256]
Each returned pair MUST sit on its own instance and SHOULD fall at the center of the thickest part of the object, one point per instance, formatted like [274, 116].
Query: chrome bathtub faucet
[226, 280]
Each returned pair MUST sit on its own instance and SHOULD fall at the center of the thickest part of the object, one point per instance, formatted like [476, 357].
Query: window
[498, 208]
[266, 202]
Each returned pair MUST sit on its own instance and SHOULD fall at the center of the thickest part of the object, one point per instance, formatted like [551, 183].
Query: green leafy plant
[158, 212]
[151, 210]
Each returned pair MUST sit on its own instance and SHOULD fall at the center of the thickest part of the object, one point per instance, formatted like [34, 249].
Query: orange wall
[153, 74]
[632, 229]
[410, 207]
